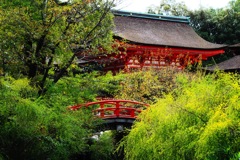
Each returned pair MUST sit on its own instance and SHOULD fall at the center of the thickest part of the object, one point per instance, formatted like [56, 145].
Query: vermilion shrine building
[155, 41]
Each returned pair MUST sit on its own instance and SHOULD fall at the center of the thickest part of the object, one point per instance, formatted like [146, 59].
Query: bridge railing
[114, 108]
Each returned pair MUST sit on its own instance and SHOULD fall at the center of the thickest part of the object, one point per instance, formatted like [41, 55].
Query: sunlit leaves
[40, 127]
[200, 120]
[146, 86]
[170, 7]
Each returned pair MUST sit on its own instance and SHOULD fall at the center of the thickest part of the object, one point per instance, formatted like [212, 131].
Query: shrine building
[157, 41]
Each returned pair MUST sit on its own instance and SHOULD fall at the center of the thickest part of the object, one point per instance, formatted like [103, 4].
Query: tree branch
[60, 74]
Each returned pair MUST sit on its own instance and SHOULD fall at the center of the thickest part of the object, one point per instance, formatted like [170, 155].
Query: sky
[142, 5]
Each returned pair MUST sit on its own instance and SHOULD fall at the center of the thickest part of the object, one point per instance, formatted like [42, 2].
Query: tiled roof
[235, 45]
[166, 31]
[230, 64]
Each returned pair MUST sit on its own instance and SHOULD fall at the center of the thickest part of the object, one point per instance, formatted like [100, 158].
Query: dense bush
[30, 129]
[147, 85]
[199, 120]
[34, 127]
[103, 148]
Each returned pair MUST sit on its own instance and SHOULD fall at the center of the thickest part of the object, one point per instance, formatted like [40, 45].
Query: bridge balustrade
[115, 112]
[114, 108]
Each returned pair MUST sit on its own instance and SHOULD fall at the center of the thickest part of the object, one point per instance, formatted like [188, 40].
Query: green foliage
[38, 35]
[106, 85]
[33, 126]
[169, 7]
[40, 127]
[81, 88]
[218, 25]
[147, 86]
[199, 120]
[103, 148]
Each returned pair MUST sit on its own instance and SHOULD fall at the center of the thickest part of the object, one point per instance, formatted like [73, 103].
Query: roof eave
[174, 46]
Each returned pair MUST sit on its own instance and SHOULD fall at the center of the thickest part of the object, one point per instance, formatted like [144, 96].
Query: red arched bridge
[116, 114]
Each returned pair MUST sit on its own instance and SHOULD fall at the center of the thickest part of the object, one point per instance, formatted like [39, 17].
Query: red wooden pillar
[133, 113]
[117, 112]
[102, 110]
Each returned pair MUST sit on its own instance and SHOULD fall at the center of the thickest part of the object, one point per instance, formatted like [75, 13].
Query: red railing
[114, 108]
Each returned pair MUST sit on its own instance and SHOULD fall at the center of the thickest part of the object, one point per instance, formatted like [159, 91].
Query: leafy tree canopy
[169, 7]
[36, 36]
[218, 25]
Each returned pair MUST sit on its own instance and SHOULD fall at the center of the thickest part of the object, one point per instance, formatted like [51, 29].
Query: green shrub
[43, 127]
[199, 120]
[147, 85]
[103, 148]
[33, 128]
